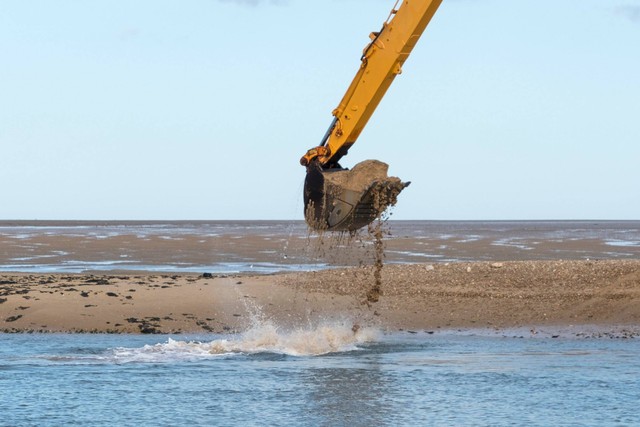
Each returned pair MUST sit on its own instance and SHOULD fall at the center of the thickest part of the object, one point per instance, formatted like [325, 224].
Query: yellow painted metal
[382, 61]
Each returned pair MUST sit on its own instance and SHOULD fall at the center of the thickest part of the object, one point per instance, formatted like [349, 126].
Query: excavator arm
[381, 62]
[333, 200]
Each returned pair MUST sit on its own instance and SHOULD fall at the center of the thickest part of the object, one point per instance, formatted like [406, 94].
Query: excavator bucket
[338, 199]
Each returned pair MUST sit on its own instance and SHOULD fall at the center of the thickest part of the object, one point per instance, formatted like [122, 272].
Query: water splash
[263, 337]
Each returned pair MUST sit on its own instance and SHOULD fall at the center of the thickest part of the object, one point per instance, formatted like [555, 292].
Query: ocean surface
[264, 247]
[317, 375]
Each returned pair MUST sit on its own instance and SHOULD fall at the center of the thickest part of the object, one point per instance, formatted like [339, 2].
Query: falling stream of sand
[371, 176]
[375, 230]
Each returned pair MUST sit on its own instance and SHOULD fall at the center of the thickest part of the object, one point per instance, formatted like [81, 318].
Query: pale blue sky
[201, 109]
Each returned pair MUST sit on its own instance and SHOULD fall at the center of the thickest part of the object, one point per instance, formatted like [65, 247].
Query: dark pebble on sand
[147, 329]
[112, 294]
[13, 318]
[204, 326]
[207, 275]
[97, 281]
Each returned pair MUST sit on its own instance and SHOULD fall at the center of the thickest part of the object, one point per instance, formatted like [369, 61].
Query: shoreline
[583, 298]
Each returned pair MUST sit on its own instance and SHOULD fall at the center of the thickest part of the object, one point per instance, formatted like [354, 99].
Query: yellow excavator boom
[344, 200]
[381, 62]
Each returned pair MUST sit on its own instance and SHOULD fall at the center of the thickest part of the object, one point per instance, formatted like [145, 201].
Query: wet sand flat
[415, 297]
[273, 246]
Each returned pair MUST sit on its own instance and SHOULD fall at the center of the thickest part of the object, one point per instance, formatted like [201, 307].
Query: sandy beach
[416, 297]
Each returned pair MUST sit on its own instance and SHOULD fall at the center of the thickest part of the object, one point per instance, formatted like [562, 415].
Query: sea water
[326, 375]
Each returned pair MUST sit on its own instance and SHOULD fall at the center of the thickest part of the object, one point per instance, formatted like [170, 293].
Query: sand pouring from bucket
[337, 199]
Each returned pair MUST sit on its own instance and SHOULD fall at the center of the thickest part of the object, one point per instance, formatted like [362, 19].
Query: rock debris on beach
[413, 297]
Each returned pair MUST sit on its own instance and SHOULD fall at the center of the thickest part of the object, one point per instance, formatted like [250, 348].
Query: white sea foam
[264, 337]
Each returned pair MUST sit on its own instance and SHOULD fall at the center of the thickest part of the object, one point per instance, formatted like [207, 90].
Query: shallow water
[324, 376]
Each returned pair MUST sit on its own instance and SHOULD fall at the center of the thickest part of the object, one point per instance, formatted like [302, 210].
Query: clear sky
[201, 109]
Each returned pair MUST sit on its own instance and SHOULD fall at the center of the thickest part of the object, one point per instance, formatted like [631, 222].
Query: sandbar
[415, 297]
